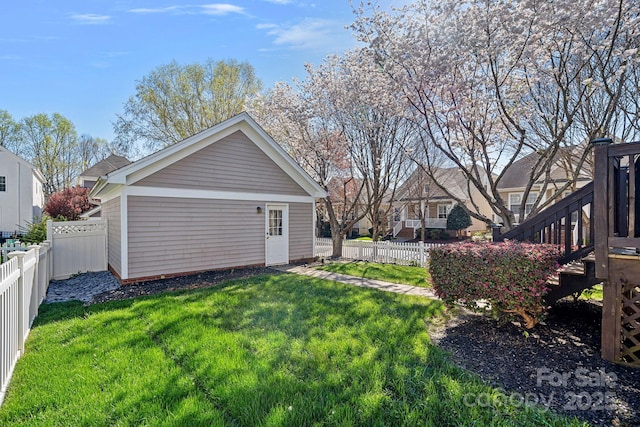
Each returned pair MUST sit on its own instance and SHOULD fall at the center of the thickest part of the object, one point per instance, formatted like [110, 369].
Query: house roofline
[144, 167]
[35, 170]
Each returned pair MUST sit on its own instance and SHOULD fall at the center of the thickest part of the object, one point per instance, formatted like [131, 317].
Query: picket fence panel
[7, 247]
[404, 253]
[24, 280]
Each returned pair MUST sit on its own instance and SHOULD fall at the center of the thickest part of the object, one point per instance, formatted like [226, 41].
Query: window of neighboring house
[443, 211]
[3, 183]
[514, 203]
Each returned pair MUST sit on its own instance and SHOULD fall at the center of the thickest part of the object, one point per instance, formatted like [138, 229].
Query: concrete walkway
[359, 281]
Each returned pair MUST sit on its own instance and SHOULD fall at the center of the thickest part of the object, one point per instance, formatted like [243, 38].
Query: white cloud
[266, 26]
[221, 9]
[310, 33]
[90, 18]
[218, 9]
[280, 1]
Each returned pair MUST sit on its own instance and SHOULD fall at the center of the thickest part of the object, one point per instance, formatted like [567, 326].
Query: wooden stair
[572, 277]
[407, 233]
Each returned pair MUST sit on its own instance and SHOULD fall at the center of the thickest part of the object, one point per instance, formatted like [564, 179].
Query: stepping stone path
[360, 281]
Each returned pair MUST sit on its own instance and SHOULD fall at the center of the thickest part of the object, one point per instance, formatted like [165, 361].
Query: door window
[275, 222]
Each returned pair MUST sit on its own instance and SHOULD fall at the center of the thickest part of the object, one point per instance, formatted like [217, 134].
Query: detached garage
[227, 197]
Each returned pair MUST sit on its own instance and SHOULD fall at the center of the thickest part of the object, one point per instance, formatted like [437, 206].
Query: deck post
[495, 232]
[601, 206]
[602, 179]
[611, 312]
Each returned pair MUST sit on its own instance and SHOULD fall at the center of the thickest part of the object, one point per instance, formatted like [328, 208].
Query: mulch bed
[558, 361]
[194, 281]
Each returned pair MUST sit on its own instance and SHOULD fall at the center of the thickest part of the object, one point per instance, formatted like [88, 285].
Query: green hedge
[511, 276]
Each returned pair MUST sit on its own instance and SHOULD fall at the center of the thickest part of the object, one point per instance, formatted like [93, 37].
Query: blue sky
[81, 58]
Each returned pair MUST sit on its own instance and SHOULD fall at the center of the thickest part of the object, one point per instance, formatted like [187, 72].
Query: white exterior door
[277, 234]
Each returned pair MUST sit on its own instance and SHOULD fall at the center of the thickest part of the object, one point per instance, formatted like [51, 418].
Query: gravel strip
[82, 287]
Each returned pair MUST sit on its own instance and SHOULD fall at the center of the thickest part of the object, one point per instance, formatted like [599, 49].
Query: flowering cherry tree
[491, 81]
[343, 121]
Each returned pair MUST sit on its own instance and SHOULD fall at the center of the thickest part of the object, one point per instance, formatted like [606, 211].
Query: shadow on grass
[301, 351]
[269, 350]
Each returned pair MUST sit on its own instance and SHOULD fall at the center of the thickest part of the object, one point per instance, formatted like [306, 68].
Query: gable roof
[517, 175]
[243, 122]
[14, 156]
[451, 178]
[105, 166]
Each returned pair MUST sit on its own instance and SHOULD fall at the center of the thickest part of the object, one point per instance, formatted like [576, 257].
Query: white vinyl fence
[24, 280]
[7, 247]
[78, 246]
[405, 253]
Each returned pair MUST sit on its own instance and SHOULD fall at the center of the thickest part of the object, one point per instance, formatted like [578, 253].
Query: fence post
[21, 325]
[422, 254]
[49, 259]
[44, 268]
[50, 230]
[36, 285]
[360, 245]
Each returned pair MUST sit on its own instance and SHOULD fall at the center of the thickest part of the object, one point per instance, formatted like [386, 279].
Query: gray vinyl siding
[234, 163]
[180, 235]
[111, 211]
[300, 231]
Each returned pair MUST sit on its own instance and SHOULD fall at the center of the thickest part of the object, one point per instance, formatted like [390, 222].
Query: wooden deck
[608, 252]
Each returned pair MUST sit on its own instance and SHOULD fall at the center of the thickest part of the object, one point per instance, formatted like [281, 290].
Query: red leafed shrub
[511, 276]
[68, 203]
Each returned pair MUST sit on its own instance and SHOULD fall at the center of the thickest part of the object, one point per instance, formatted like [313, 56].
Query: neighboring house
[21, 195]
[516, 178]
[89, 177]
[227, 197]
[419, 196]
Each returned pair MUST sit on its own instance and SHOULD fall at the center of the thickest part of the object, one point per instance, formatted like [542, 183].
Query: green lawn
[415, 276]
[593, 293]
[268, 351]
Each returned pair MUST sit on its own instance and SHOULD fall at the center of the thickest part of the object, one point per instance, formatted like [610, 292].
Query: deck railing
[567, 223]
[617, 250]
[617, 217]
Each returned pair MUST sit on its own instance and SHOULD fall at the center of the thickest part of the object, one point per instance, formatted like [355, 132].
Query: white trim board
[124, 236]
[188, 193]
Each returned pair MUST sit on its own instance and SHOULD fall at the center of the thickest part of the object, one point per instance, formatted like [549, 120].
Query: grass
[414, 276]
[275, 350]
[592, 293]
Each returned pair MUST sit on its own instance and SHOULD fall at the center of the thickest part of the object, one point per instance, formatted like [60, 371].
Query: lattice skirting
[630, 326]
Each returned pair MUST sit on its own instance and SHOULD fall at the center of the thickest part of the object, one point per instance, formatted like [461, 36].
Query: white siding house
[21, 196]
[227, 197]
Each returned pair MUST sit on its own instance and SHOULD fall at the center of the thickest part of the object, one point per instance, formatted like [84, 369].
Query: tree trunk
[336, 239]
